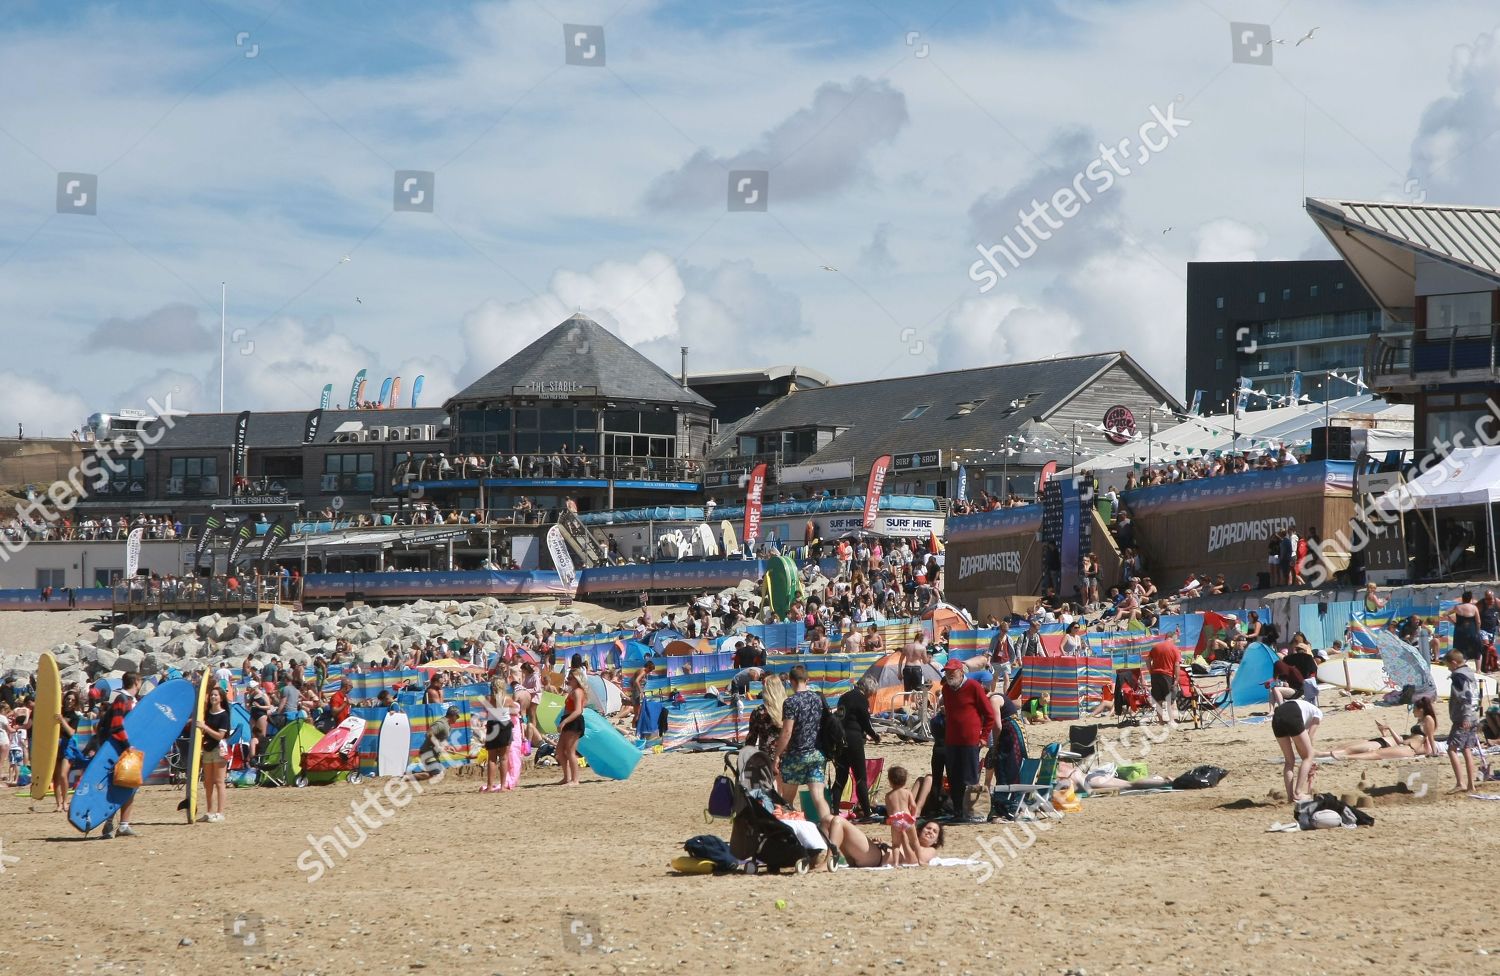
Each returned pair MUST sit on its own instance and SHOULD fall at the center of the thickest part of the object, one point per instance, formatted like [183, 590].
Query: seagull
[1307, 37]
[345, 259]
[358, 300]
[1167, 231]
[827, 268]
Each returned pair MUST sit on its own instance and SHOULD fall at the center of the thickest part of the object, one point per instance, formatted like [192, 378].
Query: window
[1458, 316]
[917, 411]
[349, 472]
[968, 407]
[1219, 302]
[1219, 332]
[1312, 292]
[1286, 294]
[1338, 286]
[54, 578]
[1261, 297]
[1218, 364]
[193, 476]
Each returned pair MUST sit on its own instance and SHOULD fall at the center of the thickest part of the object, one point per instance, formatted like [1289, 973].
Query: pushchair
[756, 833]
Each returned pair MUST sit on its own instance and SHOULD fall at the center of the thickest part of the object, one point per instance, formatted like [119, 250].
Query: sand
[463, 882]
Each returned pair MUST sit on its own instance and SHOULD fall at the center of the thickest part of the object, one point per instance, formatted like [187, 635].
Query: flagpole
[223, 320]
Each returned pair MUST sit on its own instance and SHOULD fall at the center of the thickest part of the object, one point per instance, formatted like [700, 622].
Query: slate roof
[874, 411]
[582, 351]
[283, 428]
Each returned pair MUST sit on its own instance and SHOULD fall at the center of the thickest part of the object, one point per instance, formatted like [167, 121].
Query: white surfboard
[395, 745]
[1366, 674]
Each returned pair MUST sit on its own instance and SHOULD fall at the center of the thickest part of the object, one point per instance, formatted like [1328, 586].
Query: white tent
[1469, 476]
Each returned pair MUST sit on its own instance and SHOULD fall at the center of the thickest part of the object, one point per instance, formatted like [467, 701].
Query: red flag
[1048, 470]
[754, 489]
[876, 485]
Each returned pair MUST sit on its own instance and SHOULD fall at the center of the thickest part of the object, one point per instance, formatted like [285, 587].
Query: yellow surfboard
[195, 750]
[44, 727]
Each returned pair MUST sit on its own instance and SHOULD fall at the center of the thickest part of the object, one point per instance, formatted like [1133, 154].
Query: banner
[241, 434]
[274, 537]
[133, 551]
[561, 561]
[755, 488]
[359, 391]
[416, 389]
[210, 526]
[395, 393]
[962, 493]
[241, 536]
[1242, 397]
[1296, 387]
[874, 487]
[385, 391]
[327, 398]
[355, 388]
[1197, 403]
[310, 426]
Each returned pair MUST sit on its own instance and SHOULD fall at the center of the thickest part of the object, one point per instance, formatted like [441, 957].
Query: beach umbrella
[1404, 664]
[448, 664]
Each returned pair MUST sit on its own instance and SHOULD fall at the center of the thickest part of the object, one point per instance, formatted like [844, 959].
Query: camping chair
[1210, 703]
[874, 769]
[1132, 700]
[1034, 791]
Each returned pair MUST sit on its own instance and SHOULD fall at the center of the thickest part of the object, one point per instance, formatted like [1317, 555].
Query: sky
[257, 145]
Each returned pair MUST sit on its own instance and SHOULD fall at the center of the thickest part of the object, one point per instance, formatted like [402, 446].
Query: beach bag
[1200, 778]
[720, 798]
[831, 741]
[707, 847]
[127, 773]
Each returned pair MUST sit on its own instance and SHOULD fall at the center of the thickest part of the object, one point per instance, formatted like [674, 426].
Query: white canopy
[1470, 476]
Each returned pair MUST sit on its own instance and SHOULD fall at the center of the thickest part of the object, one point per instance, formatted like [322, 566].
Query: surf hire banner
[755, 490]
[354, 388]
[133, 551]
[241, 438]
[874, 487]
[561, 560]
[310, 426]
[211, 525]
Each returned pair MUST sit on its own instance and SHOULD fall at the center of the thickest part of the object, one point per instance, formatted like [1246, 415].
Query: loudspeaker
[1338, 443]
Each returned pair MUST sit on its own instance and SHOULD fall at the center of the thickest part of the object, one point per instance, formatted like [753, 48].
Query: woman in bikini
[861, 852]
[1388, 745]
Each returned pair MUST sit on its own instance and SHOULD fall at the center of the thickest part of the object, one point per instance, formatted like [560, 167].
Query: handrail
[554, 465]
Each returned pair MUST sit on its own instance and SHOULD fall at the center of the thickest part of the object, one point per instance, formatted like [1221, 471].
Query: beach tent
[283, 756]
[945, 616]
[604, 696]
[886, 673]
[1468, 476]
[239, 724]
[1074, 684]
[1248, 686]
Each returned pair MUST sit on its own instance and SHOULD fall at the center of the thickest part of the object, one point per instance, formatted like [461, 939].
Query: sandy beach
[552, 880]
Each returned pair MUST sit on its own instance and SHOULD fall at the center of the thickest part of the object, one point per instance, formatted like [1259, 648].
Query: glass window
[917, 411]
[1219, 332]
[526, 419]
[1443, 427]
[658, 422]
[1312, 291]
[1218, 364]
[1286, 294]
[585, 420]
[555, 419]
[622, 421]
[1261, 297]
[588, 443]
[1457, 316]
[528, 443]
[1338, 286]
[1219, 303]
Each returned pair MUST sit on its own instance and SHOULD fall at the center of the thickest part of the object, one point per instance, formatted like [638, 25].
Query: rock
[153, 662]
[104, 636]
[185, 647]
[226, 629]
[130, 659]
[280, 616]
[105, 659]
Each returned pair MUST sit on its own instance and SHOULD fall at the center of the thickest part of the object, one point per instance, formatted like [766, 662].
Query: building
[736, 394]
[1264, 321]
[995, 427]
[1435, 271]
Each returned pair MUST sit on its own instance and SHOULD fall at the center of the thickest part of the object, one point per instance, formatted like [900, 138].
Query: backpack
[831, 740]
[720, 801]
[1200, 778]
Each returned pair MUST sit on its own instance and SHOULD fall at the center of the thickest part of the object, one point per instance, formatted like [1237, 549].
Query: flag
[1242, 397]
[310, 426]
[210, 526]
[355, 388]
[327, 398]
[1197, 402]
[241, 536]
[274, 537]
[874, 487]
[1296, 387]
[560, 558]
[395, 392]
[241, 435]
[963, 482]
[755, 487]
[133, 551]
[359, 392]
[385, 391]
[416, 388]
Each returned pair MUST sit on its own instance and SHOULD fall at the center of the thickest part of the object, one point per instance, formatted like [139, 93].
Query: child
[1036, 709]
[902, 807]
[1463, 710]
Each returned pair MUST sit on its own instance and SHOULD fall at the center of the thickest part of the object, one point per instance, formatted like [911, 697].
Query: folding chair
[1034, 791]
[1135, 699]
[874, 770]
[1211, 703]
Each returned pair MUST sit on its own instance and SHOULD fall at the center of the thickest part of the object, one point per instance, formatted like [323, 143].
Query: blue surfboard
[152, 726]
[608, 752]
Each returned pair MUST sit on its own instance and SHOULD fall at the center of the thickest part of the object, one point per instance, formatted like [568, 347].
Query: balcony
[1407, 364]
[548, 467]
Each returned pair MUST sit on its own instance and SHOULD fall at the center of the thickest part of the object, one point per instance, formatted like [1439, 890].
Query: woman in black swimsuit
[571, 727]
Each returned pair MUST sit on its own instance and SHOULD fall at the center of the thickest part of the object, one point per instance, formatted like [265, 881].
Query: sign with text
[918, 459]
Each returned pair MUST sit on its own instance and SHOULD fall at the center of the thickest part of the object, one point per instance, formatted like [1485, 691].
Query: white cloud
[28, 400]
[1456, 151]
[1227, 240]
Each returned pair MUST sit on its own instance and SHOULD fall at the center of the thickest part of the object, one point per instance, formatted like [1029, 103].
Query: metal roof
[968, 408]
[763, 374]
[580, 354]
[283, 428]
[1381, 241]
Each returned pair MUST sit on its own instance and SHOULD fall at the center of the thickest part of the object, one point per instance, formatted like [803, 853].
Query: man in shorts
[1163, 661]
[914, 660]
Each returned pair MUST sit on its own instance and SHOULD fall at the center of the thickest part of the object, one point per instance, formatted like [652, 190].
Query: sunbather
[1102, 779]
[1387, 745]
[861, 852]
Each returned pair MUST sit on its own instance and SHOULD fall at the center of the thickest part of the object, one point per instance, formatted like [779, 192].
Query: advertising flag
[210, 526]
[754, 489]
[241, 435]
[558, 547]
[133, 551]
[241, 537]
[395, 393]
[963, 482]
[310, 425]
[327, 398]
[874, 487]
[356, 388]
[385, 392]
[416, 389]
[274, 537]
[1197, 403]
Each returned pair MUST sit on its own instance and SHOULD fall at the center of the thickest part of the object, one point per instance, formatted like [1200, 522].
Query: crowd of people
[1190, 469]
[92, 528]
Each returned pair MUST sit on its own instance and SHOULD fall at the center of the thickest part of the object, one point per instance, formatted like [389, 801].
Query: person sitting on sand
[861, 852]
[431, 757]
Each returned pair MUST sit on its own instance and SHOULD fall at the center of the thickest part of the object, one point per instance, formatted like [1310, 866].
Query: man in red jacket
[969, 719]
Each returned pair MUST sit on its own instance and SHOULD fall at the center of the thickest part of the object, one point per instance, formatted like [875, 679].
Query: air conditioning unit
[445, 433]
[396, 434]
[359, 436]
[420, 433]
[378, 433]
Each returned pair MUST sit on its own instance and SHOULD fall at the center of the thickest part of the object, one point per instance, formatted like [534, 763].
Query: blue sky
[891, 156]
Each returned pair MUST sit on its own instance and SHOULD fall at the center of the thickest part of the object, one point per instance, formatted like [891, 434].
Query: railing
[214, 593]
[548, 466]
[1469, 349]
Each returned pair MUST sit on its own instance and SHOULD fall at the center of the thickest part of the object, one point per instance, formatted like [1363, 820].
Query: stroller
[337, 752]
[748, 785]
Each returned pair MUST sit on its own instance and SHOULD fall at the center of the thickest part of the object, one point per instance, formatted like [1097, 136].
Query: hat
[953, 665]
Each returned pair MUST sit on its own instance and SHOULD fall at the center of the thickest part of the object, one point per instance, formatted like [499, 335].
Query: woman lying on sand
[861, 852]
[1102, 779]
[1387, 745]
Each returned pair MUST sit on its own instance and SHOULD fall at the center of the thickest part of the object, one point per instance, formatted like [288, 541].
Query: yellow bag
[127, 774]
[1066, 801]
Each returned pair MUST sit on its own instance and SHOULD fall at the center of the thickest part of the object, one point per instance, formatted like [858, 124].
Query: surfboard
[152, 726]
[731, 541]
[394, 748]
[195, 749]
[1356, 674]
[782, 584]
[706, 541]
[337, 740]
[548, 711]
[44, 727]
[608, 752]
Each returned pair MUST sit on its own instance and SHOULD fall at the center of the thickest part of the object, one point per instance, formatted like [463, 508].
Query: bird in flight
[1167, 231]
[345, 259]
[358, 300]
[1306, 37]
[827, 268]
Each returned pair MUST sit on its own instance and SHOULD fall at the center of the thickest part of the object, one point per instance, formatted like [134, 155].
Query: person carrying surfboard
[113, 726]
